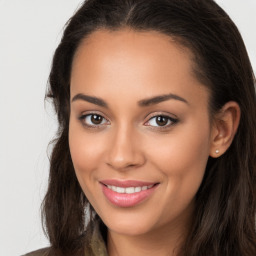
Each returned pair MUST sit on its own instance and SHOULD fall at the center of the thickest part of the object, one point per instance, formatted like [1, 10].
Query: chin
[130, 230]
[129, 224]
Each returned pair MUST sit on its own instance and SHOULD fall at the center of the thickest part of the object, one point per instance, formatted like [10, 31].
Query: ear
[224, 128]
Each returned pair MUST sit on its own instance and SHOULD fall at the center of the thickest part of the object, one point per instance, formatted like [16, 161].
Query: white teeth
[129, 190]
[120, 190]
[137, 189]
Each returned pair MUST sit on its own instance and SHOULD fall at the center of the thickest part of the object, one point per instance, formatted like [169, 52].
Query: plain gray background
[29, 33]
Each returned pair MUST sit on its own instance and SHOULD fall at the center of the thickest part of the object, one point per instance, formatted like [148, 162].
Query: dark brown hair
[224, 222]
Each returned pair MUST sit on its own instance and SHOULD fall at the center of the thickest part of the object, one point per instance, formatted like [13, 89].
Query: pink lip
[123, 199]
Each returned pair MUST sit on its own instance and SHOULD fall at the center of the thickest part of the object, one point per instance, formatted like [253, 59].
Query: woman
[156, 148]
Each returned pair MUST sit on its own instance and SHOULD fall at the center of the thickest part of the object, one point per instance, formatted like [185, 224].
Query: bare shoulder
[40, 252]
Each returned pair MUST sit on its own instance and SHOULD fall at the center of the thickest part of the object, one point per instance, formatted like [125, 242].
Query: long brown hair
[224, 222]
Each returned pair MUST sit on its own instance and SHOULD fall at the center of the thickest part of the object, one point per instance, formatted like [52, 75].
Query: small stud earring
[217, 151]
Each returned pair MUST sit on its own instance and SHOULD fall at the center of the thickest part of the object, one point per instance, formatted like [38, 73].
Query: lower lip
[127, 200]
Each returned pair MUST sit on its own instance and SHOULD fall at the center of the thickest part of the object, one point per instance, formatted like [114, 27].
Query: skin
[123, 68]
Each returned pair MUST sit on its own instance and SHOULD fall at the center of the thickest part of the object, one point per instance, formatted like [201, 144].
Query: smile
[129, 190]
[127, 193]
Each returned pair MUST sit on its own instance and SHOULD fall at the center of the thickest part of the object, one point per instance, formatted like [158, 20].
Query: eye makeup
[157, 121]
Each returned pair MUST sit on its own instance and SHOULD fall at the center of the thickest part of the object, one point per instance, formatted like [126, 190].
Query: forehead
[146, 63]
[125, 44]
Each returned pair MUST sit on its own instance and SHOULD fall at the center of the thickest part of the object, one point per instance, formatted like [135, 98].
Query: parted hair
[224, 218]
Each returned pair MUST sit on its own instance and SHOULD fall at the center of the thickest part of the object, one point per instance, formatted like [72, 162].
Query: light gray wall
[29, 32]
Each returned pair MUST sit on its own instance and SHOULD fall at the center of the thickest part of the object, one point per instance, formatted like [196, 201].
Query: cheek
[181, 158]
[86, 151]
[178, 151]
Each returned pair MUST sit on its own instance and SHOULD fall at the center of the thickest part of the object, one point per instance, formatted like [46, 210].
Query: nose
[124, 151]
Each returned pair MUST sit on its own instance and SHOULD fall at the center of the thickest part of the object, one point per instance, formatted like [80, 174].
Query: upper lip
[127, 183]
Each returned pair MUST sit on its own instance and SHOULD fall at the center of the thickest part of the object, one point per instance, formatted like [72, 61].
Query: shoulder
[40, 252]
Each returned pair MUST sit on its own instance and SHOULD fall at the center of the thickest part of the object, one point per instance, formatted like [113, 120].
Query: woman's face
[139, 130]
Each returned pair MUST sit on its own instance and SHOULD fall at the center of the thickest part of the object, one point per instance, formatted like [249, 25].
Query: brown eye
[96, 119]
[161, 120]
[93, 120]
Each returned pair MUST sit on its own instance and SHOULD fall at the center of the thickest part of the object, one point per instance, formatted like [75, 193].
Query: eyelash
[171, 121]
[91, 126]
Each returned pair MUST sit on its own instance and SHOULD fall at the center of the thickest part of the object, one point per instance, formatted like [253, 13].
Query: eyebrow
[142, 103]
[91, 99]
[161, 98]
